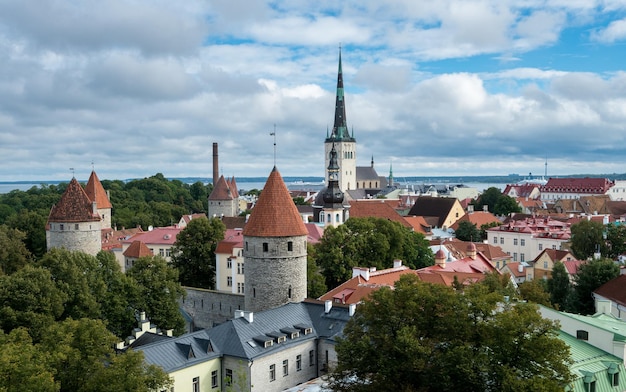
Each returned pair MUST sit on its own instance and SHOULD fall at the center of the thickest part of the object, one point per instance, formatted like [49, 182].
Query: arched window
[322, 216]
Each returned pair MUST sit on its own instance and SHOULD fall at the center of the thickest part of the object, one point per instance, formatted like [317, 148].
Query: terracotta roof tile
[222, 191]
[275, 213]
[96, 192]
[376, 209]
[137, 249]
[614, 289]
[74, 206]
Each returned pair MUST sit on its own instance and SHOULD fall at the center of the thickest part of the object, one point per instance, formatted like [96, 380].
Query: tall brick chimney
[216, 167]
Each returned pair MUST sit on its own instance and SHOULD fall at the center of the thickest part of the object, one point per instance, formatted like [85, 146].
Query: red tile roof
[222, 190]
[137, 249]
[275, 213]
[74, 206]
[376, 208]
[478, 218]
[587, 185]
[614, 290]
[158, 235]
[96, 192]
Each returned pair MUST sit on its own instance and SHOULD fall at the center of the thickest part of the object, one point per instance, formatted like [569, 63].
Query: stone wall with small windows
[275, 271]
[75, 236]
[208, 308]
[219, 208]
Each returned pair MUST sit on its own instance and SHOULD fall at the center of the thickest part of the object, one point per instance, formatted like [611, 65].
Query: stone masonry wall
[209, 308]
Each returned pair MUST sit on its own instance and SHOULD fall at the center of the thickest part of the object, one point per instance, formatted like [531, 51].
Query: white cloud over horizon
[459, 88]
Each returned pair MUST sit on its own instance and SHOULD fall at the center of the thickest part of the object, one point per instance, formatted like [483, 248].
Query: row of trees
[61, 315]
[424, 337]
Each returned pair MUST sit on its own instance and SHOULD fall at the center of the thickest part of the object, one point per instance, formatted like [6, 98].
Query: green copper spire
[340, 128]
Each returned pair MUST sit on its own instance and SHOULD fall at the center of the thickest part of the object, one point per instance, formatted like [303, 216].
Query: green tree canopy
[587, 238]
[506, 205]
[590, 276]
[159, 292]
[369, 242]
[467, 231]
[13, 252]
[424, 337]
[616, 240]
[560, 288]
[194, 252]
[535, 291]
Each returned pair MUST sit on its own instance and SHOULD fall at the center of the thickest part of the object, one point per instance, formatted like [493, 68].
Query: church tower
[274, 249]
[333, 211]
[340, 138]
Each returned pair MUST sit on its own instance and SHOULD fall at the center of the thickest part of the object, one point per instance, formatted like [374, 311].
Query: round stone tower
[74, 222]
[274, 249]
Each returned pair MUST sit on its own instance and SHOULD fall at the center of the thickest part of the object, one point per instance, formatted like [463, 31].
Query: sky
[433, 88]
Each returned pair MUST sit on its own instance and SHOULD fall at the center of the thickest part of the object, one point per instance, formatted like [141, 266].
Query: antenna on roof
[72, 169]
[274, 134]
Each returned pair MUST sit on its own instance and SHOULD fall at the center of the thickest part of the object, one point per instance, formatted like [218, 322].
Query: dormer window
[582, 335]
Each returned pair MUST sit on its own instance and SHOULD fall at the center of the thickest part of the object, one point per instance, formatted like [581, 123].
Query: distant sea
[308, 183]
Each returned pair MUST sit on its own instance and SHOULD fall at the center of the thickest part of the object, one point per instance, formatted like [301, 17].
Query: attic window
[582, 335]
[292, 332]
[279, 336]
[266, 341]
[305, 329]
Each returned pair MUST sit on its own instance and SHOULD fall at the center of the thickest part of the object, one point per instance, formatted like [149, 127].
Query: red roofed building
[275, 249]
[574, 188]
[134, 251]
[376, 208]
[543, 264]
[74, 222]
[159, 240]
[525, 191]
[224, 199]
[524, 239]
[95, 191]
[229, 262]
[610, 298]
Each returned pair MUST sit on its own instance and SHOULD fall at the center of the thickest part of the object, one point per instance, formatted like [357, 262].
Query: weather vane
[274, 134]
[72, 169]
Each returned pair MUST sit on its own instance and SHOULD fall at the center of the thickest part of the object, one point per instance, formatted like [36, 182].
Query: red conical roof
[96, 192]
[275, 214]
[74, 206]
[221, 190]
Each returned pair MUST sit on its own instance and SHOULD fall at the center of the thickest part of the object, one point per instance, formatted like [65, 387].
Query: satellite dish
[150, 228]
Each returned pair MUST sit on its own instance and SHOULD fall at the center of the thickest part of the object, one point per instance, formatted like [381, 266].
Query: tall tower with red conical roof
[96, 192]
[74, 222]
[342, 140]
[274, 241]
[224, 200]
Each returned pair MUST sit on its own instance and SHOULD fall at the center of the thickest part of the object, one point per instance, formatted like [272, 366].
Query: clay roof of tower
[232, 185]
[221, 191]
[74, 206]
[275, 214]
[96, 192]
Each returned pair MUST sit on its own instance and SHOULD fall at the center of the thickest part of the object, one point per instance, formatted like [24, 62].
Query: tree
[424, 337]
[159, 292]
[370, 242]
[590, 276]
[33, 225]
[587, 238]
[83, 359]
[616, 240]
[29, 298]
[23, 367]
[13, 252]
[489, 197]
[194, 252]
[560, 287]
[506, 205]
[316, 286]
[467, 231]
[535, 291]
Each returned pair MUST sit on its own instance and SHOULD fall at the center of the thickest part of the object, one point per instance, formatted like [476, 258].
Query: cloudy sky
[139, 87]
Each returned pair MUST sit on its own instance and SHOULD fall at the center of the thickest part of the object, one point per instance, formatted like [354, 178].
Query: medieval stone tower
[95, 191]
[224, 200]
[74, 222]
[341, 140]
[274, 241]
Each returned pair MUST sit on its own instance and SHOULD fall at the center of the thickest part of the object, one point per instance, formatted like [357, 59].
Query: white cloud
[615, 31]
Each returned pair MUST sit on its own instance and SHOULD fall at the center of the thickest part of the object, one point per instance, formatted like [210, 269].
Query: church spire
[340, 127]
